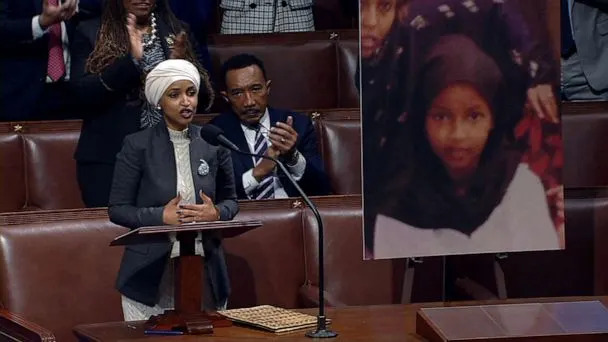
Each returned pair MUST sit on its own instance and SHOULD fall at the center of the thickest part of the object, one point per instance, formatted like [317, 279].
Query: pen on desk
[163, 332]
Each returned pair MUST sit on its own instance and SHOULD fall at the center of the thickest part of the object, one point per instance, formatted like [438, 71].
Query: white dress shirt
[38, 32]
[249, 182]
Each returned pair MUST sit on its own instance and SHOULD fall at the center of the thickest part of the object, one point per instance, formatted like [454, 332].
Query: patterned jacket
[266, 16]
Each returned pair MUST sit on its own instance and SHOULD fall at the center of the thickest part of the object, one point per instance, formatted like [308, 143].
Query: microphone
[215, 136]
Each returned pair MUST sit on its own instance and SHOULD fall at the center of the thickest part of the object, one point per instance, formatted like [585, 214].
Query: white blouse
[521, 222]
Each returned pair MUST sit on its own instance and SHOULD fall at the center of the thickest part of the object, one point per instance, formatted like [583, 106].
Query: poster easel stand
[499, 278]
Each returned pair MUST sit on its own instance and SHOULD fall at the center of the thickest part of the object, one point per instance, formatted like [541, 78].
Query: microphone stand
[321, 330]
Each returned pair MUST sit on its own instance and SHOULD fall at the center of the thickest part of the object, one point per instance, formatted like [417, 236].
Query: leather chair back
[585, 138]
[349, 280]
[266, 264]
[51, 170]
[12, 177]
[340, 141]
[59, 274]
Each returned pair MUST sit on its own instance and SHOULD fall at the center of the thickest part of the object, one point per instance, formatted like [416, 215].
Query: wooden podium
[555, 322]
[187, 316]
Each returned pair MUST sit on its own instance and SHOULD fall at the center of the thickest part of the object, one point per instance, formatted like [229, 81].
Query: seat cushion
[61, 274]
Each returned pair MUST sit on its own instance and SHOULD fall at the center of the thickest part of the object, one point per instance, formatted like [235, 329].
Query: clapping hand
[198, 212]
[135, 37]
[178, 50]
[283, 137]
[53, 14]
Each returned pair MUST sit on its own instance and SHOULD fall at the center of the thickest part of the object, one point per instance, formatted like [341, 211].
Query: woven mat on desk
[271, 318]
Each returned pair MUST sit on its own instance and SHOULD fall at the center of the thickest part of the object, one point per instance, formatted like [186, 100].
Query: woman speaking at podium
[167, 174]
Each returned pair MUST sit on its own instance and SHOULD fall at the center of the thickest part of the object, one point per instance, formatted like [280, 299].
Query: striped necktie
[265, 189]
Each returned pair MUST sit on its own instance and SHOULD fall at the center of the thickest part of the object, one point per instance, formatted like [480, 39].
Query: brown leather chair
[266, 264]
[349, 280]
[306, 68]
[303, 74]
[340, 141]
[585, 140]
[38, 170]
[60, 273]
[348, 59]
[12, 177]
[51, 170]
[15, 328]
[599, 222]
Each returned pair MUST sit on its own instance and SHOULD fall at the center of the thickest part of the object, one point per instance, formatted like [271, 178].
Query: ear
[224, 95]
[268, 86]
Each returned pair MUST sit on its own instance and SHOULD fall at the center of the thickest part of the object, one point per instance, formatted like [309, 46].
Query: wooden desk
[358, 323]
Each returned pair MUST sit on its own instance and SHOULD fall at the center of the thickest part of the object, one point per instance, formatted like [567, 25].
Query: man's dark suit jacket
[145, 181]
[313, 182]
[590, 22]
[23, 61]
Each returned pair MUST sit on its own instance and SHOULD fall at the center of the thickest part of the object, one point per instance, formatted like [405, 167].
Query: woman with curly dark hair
[111, 58]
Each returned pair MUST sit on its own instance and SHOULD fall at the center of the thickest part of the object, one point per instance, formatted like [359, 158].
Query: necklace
[150, 41]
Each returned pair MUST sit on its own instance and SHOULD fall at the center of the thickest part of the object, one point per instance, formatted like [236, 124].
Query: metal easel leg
[408, 279]
[499, 275]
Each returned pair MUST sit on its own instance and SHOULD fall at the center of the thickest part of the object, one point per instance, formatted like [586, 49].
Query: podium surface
[153, 234]
[559, 322]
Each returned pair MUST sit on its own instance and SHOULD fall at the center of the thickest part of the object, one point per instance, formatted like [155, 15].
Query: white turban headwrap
[167, 72]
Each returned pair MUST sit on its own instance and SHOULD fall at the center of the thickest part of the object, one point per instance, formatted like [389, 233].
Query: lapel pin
[203, 169]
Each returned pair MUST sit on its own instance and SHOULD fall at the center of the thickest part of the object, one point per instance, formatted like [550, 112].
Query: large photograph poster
[462, 148]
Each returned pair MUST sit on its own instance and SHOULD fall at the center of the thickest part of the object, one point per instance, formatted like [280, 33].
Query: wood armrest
[309, 296]
[19, 329]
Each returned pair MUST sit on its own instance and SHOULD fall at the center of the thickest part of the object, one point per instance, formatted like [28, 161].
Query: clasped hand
[542, 101]
[174, 213]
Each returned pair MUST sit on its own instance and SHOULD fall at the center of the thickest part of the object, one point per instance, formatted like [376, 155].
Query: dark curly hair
[113, 40]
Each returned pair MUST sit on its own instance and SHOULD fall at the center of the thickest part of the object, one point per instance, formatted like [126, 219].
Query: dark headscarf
[422, 193]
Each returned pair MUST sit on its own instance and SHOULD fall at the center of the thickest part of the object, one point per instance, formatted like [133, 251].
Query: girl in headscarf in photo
[465, 190]
[110, 59]
[168, 175]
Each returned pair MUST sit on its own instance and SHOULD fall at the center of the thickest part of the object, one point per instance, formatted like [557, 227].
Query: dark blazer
[145, 180]
[23, 61]
[313, 182]
[590, 22]
[108, 114]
